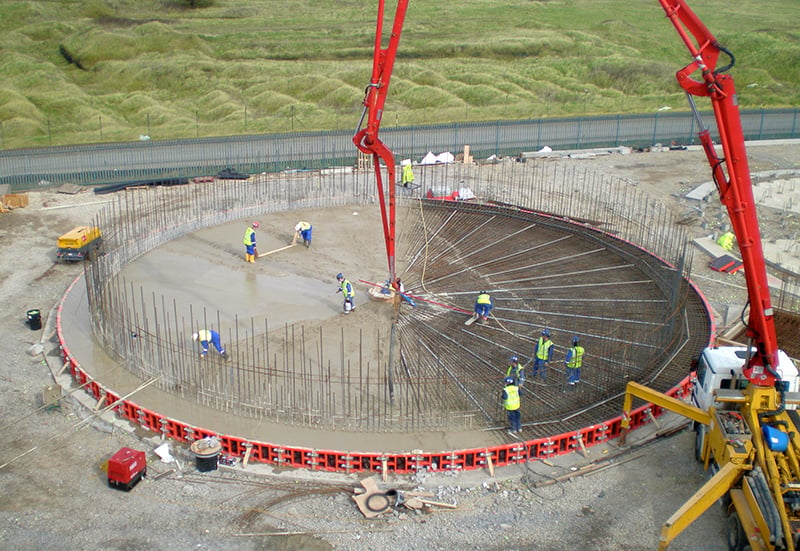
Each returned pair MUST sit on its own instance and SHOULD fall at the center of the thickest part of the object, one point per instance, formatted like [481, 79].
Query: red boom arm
[366, 139]
[734, 184]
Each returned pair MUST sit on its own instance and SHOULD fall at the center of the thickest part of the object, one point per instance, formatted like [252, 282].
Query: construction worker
[516, 370]
[346, 288]
[303, 231]
[407, 177]
[511, 402]
[573, 361]
[484, 305]
[726, 241]
[398, 287]
[209, 335]
[250, 251]
[542, 354]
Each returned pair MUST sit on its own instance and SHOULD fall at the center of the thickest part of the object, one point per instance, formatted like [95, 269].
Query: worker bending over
[206, 336]
[484, 305]
[303, 231]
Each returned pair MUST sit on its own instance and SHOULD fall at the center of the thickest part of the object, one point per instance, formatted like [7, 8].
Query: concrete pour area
[205, 271]
[205, 267]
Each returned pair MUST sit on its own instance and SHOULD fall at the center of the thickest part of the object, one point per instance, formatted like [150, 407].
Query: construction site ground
[51, 462]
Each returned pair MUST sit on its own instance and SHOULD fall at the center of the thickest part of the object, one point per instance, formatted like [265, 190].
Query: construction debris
[11, 201]
[373, 502]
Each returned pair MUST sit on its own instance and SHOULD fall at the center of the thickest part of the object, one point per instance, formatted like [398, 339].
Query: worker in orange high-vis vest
[542, 354]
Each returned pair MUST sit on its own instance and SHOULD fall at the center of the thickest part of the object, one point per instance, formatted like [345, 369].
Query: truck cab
[721, 368]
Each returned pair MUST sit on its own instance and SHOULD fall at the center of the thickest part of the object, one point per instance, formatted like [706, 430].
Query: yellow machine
[81, 243]
[744, 398]
[749, 440]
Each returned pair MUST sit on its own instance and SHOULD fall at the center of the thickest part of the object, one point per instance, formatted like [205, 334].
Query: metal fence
[27, 169]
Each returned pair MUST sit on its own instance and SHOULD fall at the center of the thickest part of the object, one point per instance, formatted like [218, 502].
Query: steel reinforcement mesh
[558, 249]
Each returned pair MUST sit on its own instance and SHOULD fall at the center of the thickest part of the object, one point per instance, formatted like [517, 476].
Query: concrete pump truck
[744, 398]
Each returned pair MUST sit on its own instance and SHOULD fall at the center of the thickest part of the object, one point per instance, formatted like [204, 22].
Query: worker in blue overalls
[303, 230]
[542, 354]
[573, 361]
[206, 336]
[484, 305]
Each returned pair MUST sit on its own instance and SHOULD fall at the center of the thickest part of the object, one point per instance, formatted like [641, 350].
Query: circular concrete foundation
[302, 373]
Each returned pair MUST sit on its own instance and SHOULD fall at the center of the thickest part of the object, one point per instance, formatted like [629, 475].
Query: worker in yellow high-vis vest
[573, 361]
[511, 402]
[542, 354]
[250, 251]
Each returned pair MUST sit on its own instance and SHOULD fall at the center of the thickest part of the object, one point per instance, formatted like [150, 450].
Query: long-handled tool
[276, 250]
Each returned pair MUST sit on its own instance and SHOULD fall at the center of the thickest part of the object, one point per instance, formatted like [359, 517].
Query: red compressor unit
[126, 468]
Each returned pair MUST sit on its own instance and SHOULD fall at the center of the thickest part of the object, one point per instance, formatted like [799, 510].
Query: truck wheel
[699, 442]
[737, 541]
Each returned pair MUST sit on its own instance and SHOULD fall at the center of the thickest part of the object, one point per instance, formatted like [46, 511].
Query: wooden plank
[437, 503]
[471, 320]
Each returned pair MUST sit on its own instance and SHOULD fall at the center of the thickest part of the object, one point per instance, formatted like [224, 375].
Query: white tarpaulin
[431, 159]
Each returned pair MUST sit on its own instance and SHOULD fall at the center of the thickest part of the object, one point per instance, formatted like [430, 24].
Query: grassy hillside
[160, 68]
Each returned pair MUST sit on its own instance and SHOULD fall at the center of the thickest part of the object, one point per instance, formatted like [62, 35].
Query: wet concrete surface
[290, 288]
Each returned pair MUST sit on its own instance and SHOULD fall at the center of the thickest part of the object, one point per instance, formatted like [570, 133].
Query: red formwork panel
[379, 462]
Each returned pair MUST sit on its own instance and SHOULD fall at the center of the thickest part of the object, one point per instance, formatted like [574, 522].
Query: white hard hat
[195, 336]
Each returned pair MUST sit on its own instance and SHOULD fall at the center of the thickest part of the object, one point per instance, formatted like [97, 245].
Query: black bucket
[206, 463]
[34, 320]
[206, 454]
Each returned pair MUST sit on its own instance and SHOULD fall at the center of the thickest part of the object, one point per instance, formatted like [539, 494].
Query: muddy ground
[55, 494]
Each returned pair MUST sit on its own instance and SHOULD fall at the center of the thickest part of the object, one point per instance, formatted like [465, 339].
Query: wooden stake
[100, 402]
[247, 456]
[63, 367]
[489, 462]
[583, 448]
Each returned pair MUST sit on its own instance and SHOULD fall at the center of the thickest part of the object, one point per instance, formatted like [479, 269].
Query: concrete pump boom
[731, 175]
[366, 139]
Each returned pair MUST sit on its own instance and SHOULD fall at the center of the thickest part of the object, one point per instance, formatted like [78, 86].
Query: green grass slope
[78, 71]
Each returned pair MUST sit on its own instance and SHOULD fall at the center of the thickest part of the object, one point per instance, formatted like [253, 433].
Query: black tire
[699, 442]
[737, 541]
